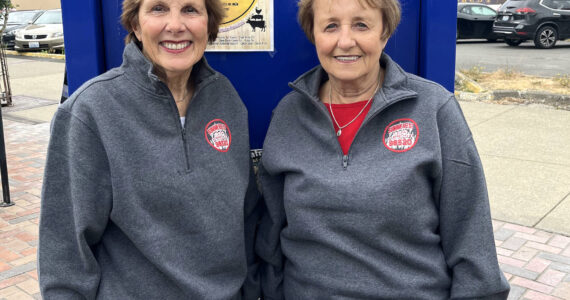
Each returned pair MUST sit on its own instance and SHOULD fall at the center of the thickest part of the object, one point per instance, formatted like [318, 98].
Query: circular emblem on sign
[401, 135]
[218, 135]
[236, 10]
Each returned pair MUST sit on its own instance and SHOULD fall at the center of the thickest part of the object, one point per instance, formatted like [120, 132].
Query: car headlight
[57, 34]
[19, 35]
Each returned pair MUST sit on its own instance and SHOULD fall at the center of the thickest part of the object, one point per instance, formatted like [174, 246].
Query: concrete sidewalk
[526, 155]
[525, 152]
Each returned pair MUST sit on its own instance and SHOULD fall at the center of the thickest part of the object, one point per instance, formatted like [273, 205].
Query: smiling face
[174, 33]
[348, 39]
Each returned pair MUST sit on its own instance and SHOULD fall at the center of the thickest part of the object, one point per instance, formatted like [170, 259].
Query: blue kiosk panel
[83, 37]
[423, 44]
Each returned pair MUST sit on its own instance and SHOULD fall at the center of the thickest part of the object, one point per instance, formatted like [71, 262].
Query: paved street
[524, 58]
[525, 152]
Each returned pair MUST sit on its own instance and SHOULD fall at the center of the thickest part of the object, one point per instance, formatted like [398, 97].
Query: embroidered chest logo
[401, 135]
[218, 135]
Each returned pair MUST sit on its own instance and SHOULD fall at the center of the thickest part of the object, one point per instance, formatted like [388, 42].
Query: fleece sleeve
[268, 244]
[76, 202]
[465, 219]
[251, 287]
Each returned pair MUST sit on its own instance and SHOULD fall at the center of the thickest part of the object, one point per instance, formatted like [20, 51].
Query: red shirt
[344, 113]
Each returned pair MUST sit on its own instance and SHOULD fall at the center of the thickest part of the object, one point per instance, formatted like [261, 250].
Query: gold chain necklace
[340, 128]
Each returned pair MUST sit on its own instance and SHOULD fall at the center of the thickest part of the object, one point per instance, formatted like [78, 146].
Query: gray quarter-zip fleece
[405, 215]
[135, 206]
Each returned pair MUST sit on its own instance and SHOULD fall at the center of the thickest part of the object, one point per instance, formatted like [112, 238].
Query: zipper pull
[345, 161]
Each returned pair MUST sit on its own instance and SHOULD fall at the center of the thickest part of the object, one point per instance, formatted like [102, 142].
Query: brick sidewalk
[536, 263]
[25, 154]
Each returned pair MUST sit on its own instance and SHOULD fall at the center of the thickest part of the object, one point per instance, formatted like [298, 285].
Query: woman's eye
[330, 27]
[360, 25]
[189, 9]
[158, 8]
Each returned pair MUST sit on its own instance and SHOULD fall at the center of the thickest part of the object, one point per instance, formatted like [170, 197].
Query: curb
[531, 97]
[36, 54]
[502, 94]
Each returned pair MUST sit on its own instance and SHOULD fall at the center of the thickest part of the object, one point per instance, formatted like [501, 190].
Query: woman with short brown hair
[371, 179]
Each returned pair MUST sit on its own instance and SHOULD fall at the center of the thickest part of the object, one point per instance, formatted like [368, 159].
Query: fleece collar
[394, 88]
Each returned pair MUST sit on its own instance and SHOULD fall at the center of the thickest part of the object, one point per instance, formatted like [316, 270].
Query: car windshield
[49, 17]
[21, 17]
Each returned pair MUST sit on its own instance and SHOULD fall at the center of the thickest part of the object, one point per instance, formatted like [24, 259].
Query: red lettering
[221, 144]
[216, 127]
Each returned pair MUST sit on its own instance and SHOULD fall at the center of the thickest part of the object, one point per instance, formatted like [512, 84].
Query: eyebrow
[354, 19]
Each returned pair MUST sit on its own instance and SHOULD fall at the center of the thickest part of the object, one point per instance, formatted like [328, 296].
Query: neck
[179, 86]
[344, 92]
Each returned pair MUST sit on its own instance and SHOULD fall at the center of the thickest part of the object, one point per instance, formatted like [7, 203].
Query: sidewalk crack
[492, 117]
[551, 210]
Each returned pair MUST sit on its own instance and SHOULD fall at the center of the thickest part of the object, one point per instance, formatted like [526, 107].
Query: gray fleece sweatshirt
[134, 205]
[404, 215]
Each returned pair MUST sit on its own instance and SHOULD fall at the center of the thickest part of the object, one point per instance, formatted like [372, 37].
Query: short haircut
[390, 10]
[130, 16]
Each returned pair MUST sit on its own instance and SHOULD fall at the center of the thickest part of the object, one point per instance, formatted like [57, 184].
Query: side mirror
[30, 22]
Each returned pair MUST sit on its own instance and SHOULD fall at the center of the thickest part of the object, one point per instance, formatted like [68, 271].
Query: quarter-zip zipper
[184, 145]
[177, 116]
[345, 161]
[179, 125]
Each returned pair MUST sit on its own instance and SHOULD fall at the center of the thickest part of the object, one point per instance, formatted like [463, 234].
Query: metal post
[4, 168]
[7, 94]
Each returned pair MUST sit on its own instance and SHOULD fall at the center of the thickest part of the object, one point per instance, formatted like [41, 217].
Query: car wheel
[546, 37]
[513, 43]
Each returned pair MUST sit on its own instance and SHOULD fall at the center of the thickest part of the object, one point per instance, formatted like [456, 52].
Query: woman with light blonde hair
[372, 183]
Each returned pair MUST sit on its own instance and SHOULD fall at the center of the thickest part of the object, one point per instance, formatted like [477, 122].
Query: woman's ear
[383, 43]
[136, 30]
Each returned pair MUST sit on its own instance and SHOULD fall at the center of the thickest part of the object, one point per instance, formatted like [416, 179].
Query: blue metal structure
[424, 44]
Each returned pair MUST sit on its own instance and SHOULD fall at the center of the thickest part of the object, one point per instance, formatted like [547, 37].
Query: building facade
[483, 1]
[35, 4]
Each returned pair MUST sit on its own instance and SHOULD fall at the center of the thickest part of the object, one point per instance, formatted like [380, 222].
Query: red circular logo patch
[401, 135]
[218, 135]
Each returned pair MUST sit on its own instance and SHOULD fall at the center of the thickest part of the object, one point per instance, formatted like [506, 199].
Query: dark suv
[543, 21]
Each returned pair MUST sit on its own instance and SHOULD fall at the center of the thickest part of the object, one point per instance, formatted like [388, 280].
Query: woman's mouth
[175, 46]
[347, 58]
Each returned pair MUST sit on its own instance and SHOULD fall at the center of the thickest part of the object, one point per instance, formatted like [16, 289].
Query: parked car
[475, 21]
[45, 33]
[542, 21]
[17, 20]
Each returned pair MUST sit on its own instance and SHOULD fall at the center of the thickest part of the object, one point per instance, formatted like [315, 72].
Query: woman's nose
[346, 40]
[175, 23]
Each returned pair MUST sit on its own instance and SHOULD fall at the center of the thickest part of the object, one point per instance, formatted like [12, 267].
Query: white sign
[248, 26]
